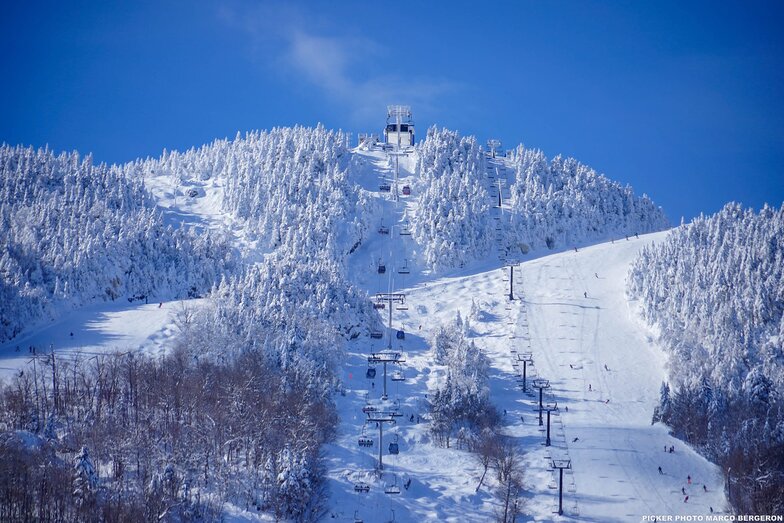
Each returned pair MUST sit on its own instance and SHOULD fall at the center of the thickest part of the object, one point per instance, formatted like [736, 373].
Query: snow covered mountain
[308, 239]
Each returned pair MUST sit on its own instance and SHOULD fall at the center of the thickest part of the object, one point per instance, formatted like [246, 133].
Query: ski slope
[569, 311]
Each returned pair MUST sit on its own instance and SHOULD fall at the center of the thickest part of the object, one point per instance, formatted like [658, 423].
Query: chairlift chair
[383, 229]
[398, 376]
[401, 335]
[361, 487]
[371, 373]
[405, 230]
[384, 187]
[404, 269]
[376, 335]
[364, 440]
[379, 306]
[392, 488]
[406, 190]
[382, 268]
[357, 519]
[394, 448]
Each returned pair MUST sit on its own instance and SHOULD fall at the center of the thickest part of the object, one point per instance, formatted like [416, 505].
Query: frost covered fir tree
[75, 232]
[561, 202]
[713, 289]
[451, 221]
[85, 481]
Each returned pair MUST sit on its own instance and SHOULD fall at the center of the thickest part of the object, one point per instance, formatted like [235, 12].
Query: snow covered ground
[570, 312]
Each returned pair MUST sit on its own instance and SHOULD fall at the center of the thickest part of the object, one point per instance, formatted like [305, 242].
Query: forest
[714, 289]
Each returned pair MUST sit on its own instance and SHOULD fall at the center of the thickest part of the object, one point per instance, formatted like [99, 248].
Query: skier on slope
[660, 471]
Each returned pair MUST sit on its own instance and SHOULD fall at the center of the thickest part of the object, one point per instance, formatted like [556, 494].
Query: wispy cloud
[337, 64]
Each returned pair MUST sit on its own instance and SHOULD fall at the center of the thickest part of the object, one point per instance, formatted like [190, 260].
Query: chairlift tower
[387, 356]
[550, 407]
[493, 144]
[389, 299]
[380, 418]
[541, 384]
[561, 464]
[526, 358]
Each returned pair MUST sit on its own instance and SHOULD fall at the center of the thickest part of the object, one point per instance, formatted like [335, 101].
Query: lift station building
[399, 131]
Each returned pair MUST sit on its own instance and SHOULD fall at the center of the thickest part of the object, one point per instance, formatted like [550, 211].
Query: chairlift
[398, 376]
[382, 268]
[392, 488]
[379, 306]
[376, 335]
[394, 448]
[361, 487]
[371, 373]
[384, 187]
[383, 229]
[364, 440]
[404, 269]
[401, 335]
[405, 230]
[406, 190]
[357, 519]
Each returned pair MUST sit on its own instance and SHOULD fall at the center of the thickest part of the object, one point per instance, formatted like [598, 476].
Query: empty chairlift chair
[404, 269]
[398, 375]
[376, 335]
[392, 488]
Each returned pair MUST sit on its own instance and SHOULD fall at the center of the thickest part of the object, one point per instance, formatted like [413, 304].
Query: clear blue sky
[682, 100]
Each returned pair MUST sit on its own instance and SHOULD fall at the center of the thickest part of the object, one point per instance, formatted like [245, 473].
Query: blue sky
[682, 100]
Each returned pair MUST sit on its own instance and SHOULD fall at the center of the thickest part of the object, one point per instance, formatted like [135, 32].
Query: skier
[504, 412]
[688, 478]
[575, 249]
[411, 419]
[571, 366]
[711, 509]
[660, 471]
[566, 408]
[589, 387]
[683, 491]
[575, 440]
[373, 384]
[705, 488]
[608, 401]
[686, 499]
[605, 367]
[585, 294]
[672, 449]
[72, 334]
[160, 305]
[596, 274]
[636, 235]
[665, 448]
